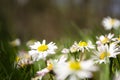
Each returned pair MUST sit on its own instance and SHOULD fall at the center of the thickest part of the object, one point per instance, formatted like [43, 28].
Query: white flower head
[22, 59]
[104, 39]
[50, 65]
[41, 50]
[104, 52]
[15, 42]
[82, 46]
[74, 70]
[65, 51]
[45, 70]
[117, 39]
[110, 23]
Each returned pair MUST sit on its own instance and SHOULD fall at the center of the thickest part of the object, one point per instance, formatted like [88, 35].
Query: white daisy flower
[110, 23]
[41, 50]
[117, 39]
[45, 70]
[50, 65]
[22, 59]
[82, 46]
[104, 39]
[15, 42]
[114, 50]
[105, 52]
[65, 51]
[74, 70]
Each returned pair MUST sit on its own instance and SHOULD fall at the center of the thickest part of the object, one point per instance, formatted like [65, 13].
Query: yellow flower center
[112, 21]
[105, 40]
[50, 66]
[42, 48]
[74, 65]
[83, 44]
[103, 55]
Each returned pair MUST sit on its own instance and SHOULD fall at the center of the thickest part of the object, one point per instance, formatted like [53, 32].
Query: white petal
[44, 42]
[84, 74]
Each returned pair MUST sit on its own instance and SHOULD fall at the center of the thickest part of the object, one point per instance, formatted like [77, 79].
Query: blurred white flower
[41, 50]
[82, 46]
[23, 59]
[110, 23]
[117, 39]
[104, 39]
[44, 71]
[74, 70]
[65, 51]
[15, 42]
[50, 66]
[104, 52]
[73, 48]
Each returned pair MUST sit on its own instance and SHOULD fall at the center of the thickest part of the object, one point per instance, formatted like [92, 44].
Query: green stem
[51, 77]
[118, 61]
[81, 56]
[86, 78]
[112, 30]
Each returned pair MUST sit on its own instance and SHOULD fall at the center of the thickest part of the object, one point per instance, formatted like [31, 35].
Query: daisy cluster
[73, 63]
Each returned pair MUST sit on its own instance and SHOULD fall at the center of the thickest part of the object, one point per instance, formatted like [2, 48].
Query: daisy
[50, 65]
[45, 70]
[104, 39]
[22, 59]
[104, 52]
[110, 23]
[41, 50]
[117, 39]
[74, 70]
[82, 46]
[15, 42]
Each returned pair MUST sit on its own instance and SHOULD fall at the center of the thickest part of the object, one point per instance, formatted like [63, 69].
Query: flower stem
[81, 56]
[51, 77]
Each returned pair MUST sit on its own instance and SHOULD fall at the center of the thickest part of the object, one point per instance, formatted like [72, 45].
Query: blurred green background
[52, 19]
